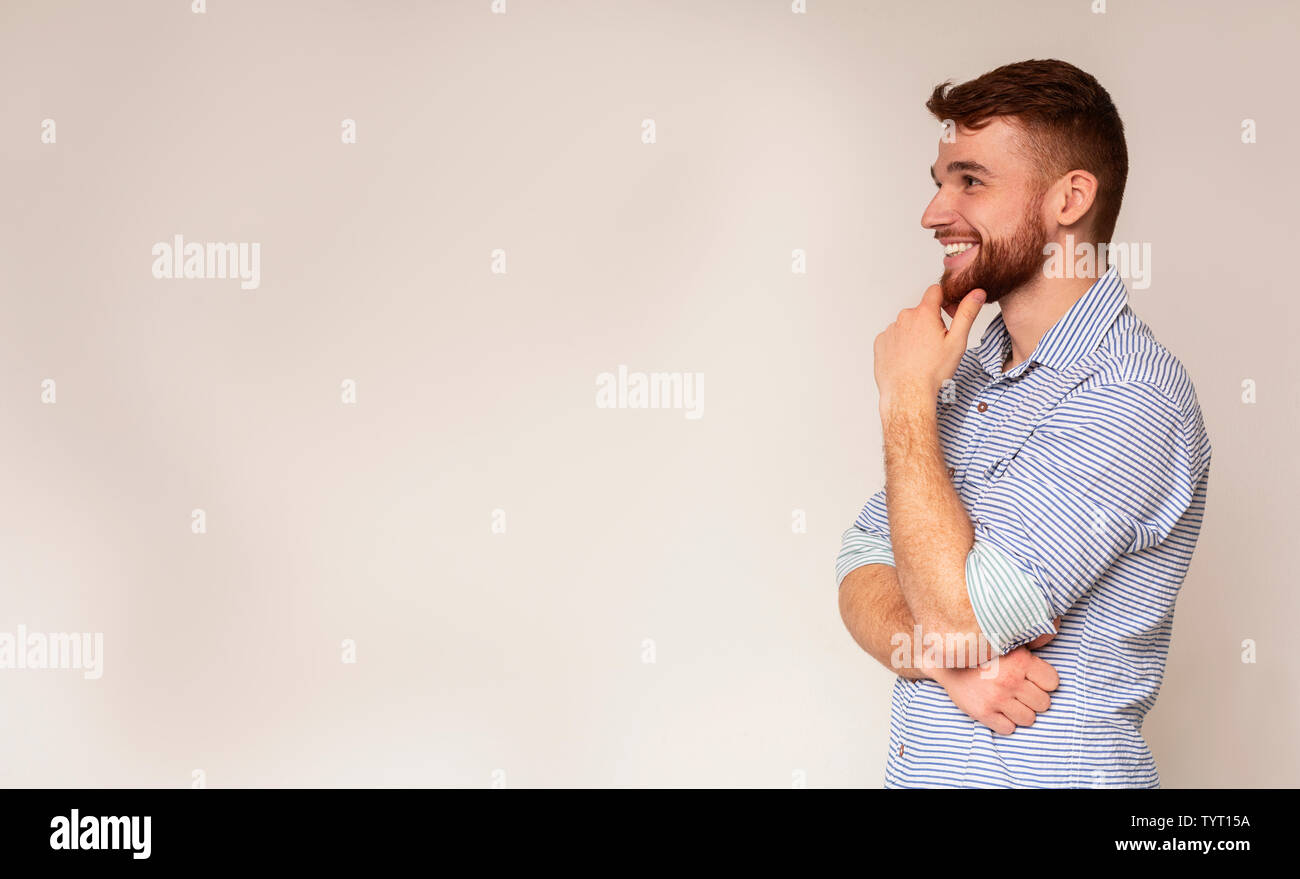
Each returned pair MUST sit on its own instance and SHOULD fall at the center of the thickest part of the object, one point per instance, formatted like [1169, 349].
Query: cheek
[1001, 222]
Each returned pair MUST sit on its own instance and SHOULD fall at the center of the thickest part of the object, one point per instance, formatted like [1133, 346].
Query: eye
[966, 178]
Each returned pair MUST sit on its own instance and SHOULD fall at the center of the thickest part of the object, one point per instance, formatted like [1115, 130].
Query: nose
[939, 213]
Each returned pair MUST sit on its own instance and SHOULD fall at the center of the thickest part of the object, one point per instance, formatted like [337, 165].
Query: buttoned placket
[987, 407]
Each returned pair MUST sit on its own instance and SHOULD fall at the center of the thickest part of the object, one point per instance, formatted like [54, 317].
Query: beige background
[522, 652]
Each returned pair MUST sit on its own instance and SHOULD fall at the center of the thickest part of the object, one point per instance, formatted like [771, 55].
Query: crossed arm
[873, 609]
[932, 538]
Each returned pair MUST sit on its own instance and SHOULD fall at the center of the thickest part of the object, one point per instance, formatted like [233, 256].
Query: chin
[954, 288]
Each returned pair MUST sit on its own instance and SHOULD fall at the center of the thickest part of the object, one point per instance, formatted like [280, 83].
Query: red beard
[1002, 264]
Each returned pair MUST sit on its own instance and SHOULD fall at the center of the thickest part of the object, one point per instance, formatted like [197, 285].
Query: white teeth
[954, 249]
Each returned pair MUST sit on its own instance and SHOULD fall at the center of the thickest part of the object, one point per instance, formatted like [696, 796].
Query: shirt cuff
[858, 548]
[1009, 607]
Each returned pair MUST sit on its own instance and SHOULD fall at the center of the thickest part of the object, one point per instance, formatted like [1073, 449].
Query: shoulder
[1131, 357]
[1133, 370]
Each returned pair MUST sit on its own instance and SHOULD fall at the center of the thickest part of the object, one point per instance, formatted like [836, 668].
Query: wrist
[905, 398]
[942, 676]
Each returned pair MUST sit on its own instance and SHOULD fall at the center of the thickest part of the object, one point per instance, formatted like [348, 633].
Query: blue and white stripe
[1085, 478]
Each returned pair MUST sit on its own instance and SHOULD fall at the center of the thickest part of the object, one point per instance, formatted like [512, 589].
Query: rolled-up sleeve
[867, 541]
[1009, 606]
[1106, 474]
[858, 548]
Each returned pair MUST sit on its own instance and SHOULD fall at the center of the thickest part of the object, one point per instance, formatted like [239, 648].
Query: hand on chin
[954, 291]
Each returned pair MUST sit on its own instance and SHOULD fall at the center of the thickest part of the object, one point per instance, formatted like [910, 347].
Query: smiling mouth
[959, 254]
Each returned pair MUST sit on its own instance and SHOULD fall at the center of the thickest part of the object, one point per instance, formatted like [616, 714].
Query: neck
[1028, 312]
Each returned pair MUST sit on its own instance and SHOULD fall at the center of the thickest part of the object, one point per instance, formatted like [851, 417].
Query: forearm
[873, 610]
[930, 529]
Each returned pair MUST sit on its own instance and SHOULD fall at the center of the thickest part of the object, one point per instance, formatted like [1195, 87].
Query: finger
[932, 298]
[1040, 641]
[1044, 640]
[1020, 714]
[967, 311]
[1000, 724]
[1041, 673]
[1032, 696]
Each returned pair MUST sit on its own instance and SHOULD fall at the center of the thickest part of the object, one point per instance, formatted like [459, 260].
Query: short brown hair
[1067, 119]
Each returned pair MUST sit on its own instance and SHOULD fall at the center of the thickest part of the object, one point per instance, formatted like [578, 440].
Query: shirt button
[982, 406]
[900, 750]
[952, 471]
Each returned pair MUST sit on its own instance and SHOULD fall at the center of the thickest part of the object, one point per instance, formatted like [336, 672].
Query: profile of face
[987, 213]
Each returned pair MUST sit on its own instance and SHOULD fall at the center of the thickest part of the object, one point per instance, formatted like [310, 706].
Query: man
[1043, 491]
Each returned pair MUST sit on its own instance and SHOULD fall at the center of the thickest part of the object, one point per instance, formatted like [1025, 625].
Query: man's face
[989, 203]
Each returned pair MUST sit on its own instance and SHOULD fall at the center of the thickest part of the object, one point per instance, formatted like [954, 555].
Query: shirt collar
[1077, 333]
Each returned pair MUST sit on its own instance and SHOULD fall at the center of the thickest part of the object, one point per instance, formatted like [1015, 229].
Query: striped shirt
[1084, 470]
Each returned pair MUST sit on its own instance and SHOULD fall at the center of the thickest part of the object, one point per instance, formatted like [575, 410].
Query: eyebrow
[973, 167]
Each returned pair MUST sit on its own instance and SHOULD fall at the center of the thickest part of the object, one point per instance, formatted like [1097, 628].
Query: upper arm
[1010, 608]
[867, 540]
[1109, 472]
[858, 548]
[874, 517]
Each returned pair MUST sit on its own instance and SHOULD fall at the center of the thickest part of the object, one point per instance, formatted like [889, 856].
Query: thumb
[964, 319]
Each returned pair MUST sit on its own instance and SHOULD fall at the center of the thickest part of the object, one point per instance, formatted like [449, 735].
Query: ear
[1078, 193]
